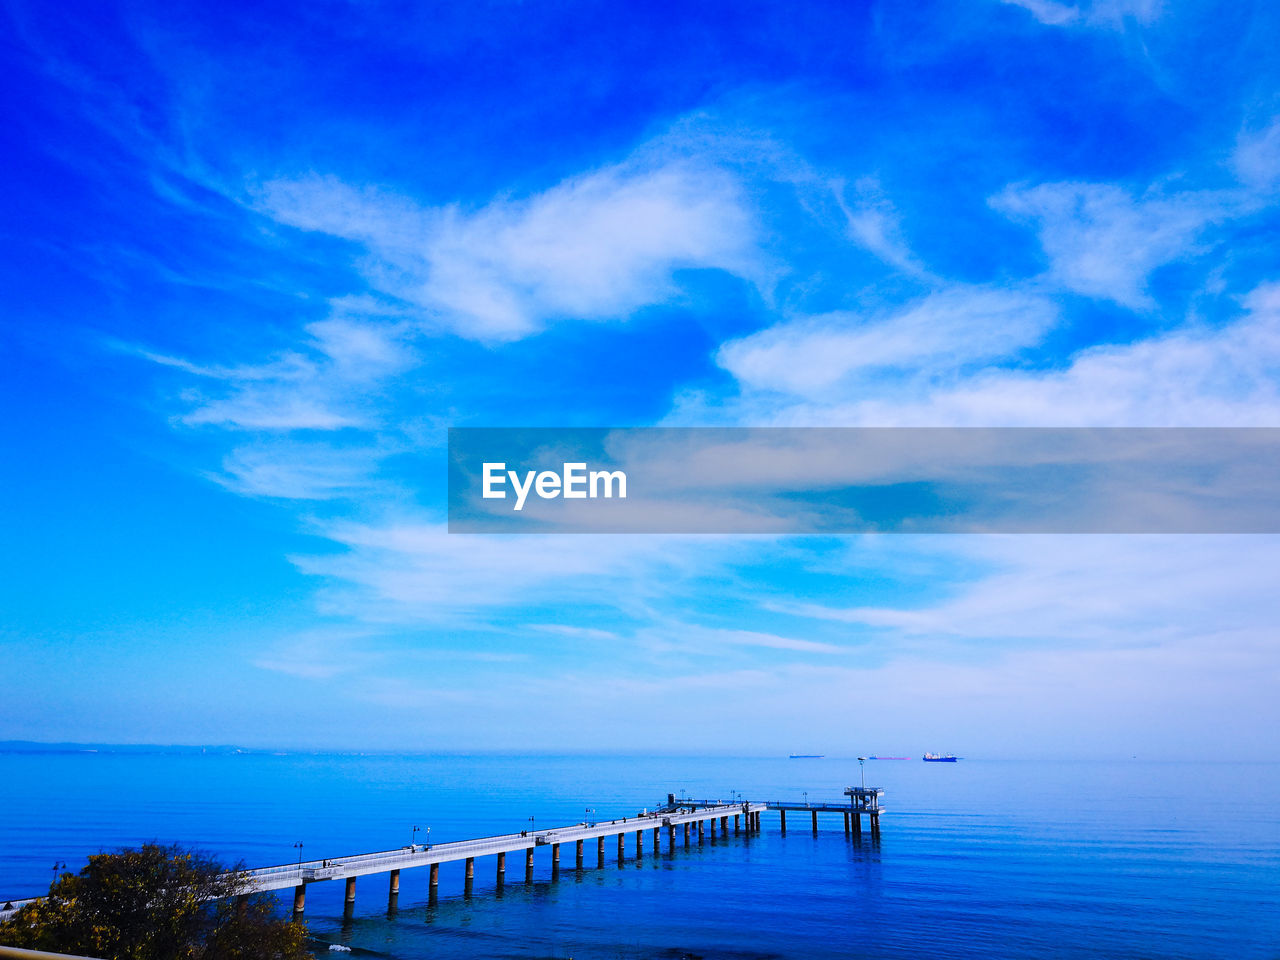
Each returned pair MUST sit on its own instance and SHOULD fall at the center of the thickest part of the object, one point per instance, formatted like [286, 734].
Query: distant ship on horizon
[874, 757]
[939, 758]
[807, 756]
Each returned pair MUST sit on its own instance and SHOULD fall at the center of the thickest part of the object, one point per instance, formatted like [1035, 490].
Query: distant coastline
[35, 746]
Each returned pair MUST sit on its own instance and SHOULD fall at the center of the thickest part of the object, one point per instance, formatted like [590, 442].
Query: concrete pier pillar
[783, 815]
[724, 825]
[393, 894]
[502, 868]
[701, 827]
[555, 860]
[736, 818]
[855, 817]
[875, 827]
[622, 854]
[815, 821]
[657, 841]
[578, 856]
[599, 852]
[299, 900]
[434, 881]
[349, 902]
[528, 865]
[242, 904]
[686, 833]
[470, 878]
[846, 823]
[639, 844]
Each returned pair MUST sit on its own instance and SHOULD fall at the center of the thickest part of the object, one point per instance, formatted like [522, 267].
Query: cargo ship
[939, 758]
[807, 756]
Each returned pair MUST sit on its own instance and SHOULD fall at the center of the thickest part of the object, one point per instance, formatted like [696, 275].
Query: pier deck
[701, 815]
[334, 868]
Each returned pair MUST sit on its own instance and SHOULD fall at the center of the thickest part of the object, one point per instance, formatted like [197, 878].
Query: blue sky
[259, 260]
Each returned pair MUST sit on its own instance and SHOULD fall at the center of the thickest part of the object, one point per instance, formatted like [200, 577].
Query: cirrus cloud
[599, 245]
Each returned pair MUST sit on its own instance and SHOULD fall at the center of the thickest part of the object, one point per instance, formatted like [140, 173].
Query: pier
[862, 800]
[661, 824]
[678, 818]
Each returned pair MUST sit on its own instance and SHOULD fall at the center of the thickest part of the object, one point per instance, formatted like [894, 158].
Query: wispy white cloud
[417, 572]
[1103, 242]
[294, 470]
[366, 661]
[875, 224]
[592, 634]
[1092, 13]
[597, 246]
[1197, 375]
[939, 334]
[1256, 157]
[276, 406]
[1081, 592]
[697, 640]
[322, 384]
[320, 654]
[954, 356]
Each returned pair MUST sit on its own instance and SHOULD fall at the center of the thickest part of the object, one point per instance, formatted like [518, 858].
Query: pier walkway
[687, 816]
[701, 818]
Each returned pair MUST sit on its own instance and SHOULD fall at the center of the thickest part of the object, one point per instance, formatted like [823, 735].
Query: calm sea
[980, 858]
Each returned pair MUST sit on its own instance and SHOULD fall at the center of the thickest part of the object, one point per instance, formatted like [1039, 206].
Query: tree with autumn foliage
[156, 903]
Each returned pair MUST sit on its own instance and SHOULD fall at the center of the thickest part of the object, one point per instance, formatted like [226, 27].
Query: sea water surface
[982, 858]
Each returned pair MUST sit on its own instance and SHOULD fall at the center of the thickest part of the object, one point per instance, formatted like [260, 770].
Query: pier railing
[419, 855]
